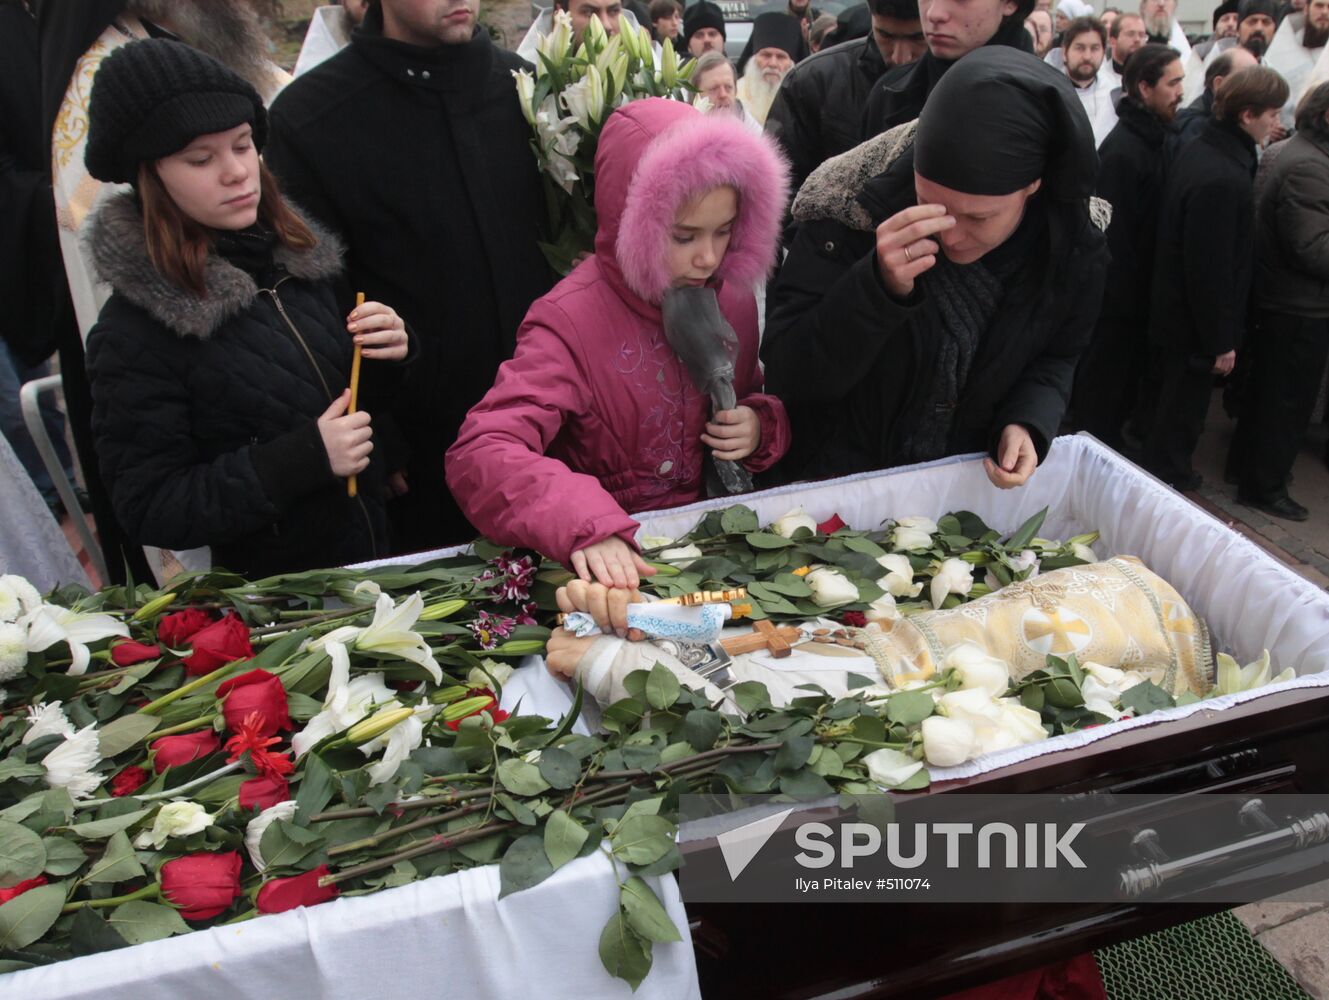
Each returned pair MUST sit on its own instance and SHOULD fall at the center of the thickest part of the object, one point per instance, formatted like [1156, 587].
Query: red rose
[127, 653]
[255, 692]
[281, 894]
[175, 630]
[831, 525]
[201, 885]
[218, 644]
[18, 890]
[261, 792]
[172, 751]
[130, 780]
[855, 619]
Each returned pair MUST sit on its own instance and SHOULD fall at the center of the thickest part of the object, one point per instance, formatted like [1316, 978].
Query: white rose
[923, 524]
[791, 522]
[899, 578]
[991, 737]
[910, 539]
[973, 705]
[1109, 676]
[684, 555]
[48, 719]
[830, 587]
[493, 673]
[17, 596]
[254, 831]
[13, 651]
[891, 768]
[977, 669]
[882, 609]
[1023, 723]
[947, 742]
[70, 765]
[953, 576]
[179, 819]
[654, 541]
[1026, 560]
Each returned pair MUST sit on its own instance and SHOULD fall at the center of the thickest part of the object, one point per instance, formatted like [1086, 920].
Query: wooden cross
[764, 635]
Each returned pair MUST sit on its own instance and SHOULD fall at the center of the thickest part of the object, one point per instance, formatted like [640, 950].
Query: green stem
[150, 891]
[153, 707]
[183, 727]
[397, 831]
[434, 844]
[430, 800]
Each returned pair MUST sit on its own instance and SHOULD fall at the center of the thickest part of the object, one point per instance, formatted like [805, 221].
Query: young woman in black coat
[220, 365]
[942, 281]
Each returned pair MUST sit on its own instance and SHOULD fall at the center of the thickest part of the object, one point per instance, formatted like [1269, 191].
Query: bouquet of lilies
[575, 87]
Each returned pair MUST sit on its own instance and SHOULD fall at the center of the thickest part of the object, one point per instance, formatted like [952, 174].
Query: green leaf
[739, 520]
[521, 777]
[559, 768]
[520, 812]
[1028, 530]
[789, 585]
[793, 754]
[767, 540]
[750, 696]
[62, 857]
[25, 918]
[662, 687]
[435, 761]
[317, 787]
[860, 543]
[89, 934]
[118, 862]
[623, 952]
[805, 785]
[524, 864]
[124, 733]
[564, 838]
[640, 839]
[909, 707]
[139, 921]
[97, 829]
[1144, 698]
[11, 768]
[284, 844]
[701, 728]
[22, 854]
[1062, 692]
[644, 912]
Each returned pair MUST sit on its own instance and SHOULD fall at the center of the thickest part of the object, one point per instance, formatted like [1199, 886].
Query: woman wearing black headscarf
[943, 280]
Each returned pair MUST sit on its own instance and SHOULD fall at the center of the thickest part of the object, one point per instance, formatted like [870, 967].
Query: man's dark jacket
[818, 109]
[1292, 230]
[1202, 268]
[421, 160]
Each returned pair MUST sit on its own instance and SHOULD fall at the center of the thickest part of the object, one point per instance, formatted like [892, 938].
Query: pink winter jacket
[595, 415]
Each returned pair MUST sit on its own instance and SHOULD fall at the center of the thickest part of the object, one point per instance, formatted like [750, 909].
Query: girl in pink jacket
[595, 415]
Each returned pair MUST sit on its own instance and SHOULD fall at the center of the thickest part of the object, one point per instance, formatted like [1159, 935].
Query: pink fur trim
[689, 159]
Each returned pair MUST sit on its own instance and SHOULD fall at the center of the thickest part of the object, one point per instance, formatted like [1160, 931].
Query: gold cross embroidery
[1060, 631]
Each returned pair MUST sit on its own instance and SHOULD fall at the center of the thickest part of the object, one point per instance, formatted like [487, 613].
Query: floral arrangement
[566, 101]
[222, 749]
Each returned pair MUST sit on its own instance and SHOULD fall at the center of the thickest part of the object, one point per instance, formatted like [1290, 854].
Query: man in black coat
[952, 28]
[942, 281]
[1291, 318]
[1191, 118]
[412, 145]
[1130, 178]
[1202, 268]
[818, 110]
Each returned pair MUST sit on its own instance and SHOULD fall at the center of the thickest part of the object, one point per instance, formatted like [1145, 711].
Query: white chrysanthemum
[48, 719]
[179, 819]
[70, 765]
[254, 831]
[17, 597]
[13, 650]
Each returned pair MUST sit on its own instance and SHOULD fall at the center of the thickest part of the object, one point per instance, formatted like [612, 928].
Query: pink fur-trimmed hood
[656, 155]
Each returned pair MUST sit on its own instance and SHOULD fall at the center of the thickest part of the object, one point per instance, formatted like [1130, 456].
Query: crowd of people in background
[976, 224]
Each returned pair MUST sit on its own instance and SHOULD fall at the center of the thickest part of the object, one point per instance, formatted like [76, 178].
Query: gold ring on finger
[909, 258]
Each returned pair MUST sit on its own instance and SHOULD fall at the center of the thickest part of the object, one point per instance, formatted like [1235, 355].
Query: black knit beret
[702, 15]
[1248, 8]
[152, 98]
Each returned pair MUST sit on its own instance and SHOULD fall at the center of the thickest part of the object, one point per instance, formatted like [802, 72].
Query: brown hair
[178, 246]
[1254, 89]
[1083, 26]
[1311, 110]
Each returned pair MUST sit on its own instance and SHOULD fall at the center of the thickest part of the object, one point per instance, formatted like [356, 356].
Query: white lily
[1027, 560]
[787, 524]
[830, 587]
[13, 651]
[977, 669]
[556, 44]
[50, 624]
[178, 819]
[397, 744]
[1082, 551]
[891, 768]
[684, 555]
[70, 765]
[525, 94]
[953, 576]
[584, 100]
[17, 597]
[256, 826]
[493, 673]
[1233, 678]
[348, 701]
[899, 578]
[389, 632]
[47, 719]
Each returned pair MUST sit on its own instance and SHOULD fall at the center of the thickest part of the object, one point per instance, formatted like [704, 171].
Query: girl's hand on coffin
[1017, 459]
[612, 562]
[608, 606]
[564, 651]
[733, 434]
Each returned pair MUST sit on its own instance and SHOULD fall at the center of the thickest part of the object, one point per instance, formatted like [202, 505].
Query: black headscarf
[1001, 119]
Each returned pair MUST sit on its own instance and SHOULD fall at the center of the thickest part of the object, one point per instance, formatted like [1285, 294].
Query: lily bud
[525, 94]
[444, 695]
[668, 66]
[377, 724]
[443, 609]
[467, 706]
[519, 647]
[159, 603]
[593, 37]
